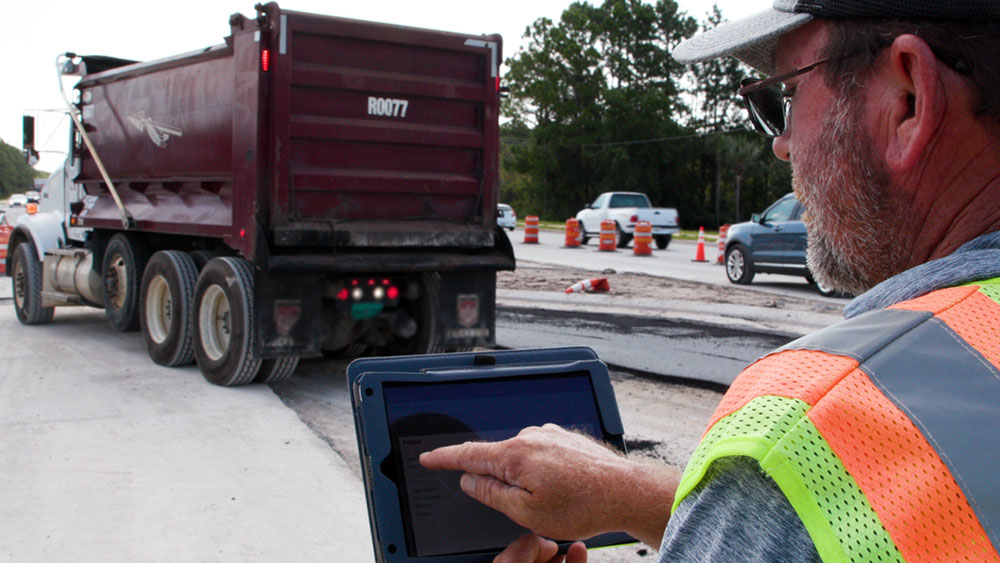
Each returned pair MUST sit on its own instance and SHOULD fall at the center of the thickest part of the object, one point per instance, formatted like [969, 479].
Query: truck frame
[314, 185]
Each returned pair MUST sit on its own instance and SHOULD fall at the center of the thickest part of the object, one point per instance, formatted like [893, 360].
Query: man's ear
[915, 99]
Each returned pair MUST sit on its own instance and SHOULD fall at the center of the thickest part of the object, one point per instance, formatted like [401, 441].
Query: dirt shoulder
[544, 285]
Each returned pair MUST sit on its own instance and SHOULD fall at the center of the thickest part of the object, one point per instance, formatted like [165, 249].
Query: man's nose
[781, 147]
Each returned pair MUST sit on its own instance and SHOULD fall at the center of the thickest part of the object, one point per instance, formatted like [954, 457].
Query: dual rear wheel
[206, 317]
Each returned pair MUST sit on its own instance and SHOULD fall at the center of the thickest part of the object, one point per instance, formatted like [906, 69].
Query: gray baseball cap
[753, 39]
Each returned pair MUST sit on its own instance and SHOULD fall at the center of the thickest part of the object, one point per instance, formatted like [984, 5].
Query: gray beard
[850, 215]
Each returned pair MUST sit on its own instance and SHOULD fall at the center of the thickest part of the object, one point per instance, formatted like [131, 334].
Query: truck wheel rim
[214, 323]
[118, 274]
[158, 310]
[20, 285]
[735, 265]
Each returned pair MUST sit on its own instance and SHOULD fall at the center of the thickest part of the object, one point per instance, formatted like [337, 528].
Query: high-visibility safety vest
[882, 431]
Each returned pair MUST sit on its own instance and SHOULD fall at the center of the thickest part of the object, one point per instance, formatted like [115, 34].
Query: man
[874, 439]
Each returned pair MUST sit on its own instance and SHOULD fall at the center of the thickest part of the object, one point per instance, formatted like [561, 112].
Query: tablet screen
[440, 519]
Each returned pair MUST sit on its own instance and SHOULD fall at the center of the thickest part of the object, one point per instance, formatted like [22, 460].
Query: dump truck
[313, 185]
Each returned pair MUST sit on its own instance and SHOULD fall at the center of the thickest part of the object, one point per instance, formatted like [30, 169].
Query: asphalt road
[108, 456]
[670, 349]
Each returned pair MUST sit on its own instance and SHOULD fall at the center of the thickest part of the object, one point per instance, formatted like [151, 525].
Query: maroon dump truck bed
[302, 131]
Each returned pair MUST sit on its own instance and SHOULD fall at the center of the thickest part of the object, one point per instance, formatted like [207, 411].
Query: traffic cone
[608, 240]
[699, 255]
[531, 229]
[597, 284]
[4, 240]
[572, 233]
[643, 241]
[720, 257]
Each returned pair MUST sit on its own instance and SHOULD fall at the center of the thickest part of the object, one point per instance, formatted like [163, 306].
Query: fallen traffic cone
[598, 284]
[699, 255]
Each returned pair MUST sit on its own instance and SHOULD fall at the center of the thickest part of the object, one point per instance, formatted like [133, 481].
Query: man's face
[837, 174]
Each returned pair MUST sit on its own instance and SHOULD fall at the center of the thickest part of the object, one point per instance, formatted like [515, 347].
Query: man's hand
[563, 484]
[530, 548]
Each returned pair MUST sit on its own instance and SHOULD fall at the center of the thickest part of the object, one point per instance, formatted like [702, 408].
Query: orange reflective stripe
[900, 473]
[970, 320]
[796, 374]
[937, 301]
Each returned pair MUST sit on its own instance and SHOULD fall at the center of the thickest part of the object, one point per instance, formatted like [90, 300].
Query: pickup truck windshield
[629, 200]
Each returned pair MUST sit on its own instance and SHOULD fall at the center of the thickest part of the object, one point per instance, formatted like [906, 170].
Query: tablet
[406, 406]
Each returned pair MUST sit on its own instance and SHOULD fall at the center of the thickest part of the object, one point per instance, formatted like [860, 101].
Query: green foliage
[597, 104]
[15, 174]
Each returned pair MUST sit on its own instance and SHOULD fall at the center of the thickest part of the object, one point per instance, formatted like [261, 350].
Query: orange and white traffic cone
[643, 242]
[5, 232]
[531, 229]
[721, 256]
[699, 255]
[608, 237]
[597, 284]
[572, 233]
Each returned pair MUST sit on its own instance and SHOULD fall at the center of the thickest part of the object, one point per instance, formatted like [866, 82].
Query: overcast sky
[36, 31]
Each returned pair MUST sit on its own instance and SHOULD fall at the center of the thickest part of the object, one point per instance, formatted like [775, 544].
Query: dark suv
[773, 242]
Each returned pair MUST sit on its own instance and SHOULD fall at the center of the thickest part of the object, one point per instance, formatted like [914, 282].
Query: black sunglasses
[766, 102]
[768, 106]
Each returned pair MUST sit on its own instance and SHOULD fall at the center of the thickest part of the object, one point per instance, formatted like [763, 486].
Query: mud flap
[288, 314]
[467, 307]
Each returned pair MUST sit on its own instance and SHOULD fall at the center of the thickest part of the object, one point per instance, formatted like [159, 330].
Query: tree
[714, 83]
[15, 174]
[597, 104]
[587, 87]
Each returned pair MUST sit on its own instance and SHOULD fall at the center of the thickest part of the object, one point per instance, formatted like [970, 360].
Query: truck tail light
[265, 60]
[368, 290]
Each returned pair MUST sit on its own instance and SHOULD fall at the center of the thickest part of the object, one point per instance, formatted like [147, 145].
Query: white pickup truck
[626, 209]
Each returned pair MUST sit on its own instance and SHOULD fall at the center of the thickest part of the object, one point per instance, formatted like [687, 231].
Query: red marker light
[386, 281]
[498, 83]
[371, 282]
[392, 292]
[265, 60]
[354, 282]
[243, 233]
[343, 294]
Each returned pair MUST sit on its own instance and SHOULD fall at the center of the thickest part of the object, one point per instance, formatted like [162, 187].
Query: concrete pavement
[118, 459]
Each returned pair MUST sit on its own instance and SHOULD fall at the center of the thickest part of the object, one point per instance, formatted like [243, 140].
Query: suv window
[781, 211]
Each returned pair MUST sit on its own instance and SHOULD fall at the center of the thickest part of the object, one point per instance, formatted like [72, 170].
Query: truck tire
[276, 371]
[26, 274]
[167, 302]
[622, 238]
[663, 241]
[201, 257]
[124, 261]
[223, 322]
[739, 269]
